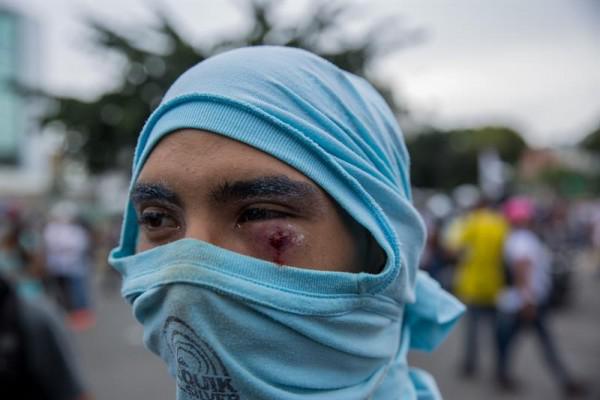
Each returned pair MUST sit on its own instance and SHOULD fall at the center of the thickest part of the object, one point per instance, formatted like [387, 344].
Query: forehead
[189, 156]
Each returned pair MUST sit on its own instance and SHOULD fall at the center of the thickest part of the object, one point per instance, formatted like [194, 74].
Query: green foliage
[566, 181]
[102, 131]
[446, 159]
[592, 141]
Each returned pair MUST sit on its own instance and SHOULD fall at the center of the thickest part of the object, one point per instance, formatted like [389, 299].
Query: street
[114, 362]
[577, 335]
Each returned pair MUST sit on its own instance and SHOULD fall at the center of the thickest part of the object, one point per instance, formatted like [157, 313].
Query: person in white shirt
[67, 245]
[524, 302]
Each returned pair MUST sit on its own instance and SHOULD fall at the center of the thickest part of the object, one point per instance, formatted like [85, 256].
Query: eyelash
[147, 218]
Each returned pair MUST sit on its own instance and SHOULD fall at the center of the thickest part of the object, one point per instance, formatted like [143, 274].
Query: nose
[201, 228]
[217, 230]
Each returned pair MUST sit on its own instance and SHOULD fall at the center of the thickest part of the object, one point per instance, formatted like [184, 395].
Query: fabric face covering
[231, 326]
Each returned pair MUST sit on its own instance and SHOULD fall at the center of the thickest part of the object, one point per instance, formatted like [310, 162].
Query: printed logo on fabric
[200, 372]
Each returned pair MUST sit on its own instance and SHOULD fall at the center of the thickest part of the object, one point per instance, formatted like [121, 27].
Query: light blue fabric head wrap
[336, 129]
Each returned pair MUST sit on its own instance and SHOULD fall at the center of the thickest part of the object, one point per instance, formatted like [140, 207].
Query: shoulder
[520, 243]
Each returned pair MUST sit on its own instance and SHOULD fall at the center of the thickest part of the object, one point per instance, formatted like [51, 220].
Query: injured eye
[261, 214]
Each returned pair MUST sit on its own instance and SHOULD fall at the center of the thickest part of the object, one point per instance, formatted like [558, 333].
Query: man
[270, 246]
[525, 302]
[479, 276]
[67, 247]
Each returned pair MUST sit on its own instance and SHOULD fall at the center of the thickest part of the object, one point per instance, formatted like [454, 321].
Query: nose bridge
[200, 227]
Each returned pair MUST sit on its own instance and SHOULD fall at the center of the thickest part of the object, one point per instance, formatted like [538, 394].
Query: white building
[25, 167]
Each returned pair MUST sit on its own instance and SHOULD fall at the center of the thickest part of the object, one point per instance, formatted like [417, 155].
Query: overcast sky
[533, 65]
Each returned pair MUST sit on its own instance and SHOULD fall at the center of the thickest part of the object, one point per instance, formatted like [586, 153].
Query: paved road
[576, 331]
[114, 361]
[118, 367]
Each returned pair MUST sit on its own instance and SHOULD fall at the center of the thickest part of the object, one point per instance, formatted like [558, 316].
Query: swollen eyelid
[260, 214]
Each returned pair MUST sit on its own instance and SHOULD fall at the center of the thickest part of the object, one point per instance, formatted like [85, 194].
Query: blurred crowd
[46, 264]
[53, 255]
[512, 262]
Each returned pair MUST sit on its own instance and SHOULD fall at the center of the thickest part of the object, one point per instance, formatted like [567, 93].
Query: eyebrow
[278, 187]
[153, 192]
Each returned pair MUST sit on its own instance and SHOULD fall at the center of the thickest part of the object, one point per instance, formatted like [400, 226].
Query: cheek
[279, 243]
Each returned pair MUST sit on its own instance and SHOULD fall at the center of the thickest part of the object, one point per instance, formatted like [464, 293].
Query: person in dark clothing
[36, 362]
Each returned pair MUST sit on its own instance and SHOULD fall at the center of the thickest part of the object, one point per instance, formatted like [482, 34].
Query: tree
[446, 159]
[100, 132]
[592, 141]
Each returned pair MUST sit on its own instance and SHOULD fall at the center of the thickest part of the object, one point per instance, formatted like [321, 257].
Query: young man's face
[204, 186]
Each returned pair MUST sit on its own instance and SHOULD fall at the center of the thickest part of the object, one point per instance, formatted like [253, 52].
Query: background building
[25, 166]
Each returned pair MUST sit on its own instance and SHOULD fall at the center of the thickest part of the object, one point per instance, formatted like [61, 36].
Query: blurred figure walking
[436, 259]
[67, 248]
[479, 275]
[524, 303]
[36, 361]
[595, 237]
[19, 260]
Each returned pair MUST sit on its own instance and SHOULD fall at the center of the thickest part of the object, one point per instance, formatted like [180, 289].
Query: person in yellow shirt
[478, 238]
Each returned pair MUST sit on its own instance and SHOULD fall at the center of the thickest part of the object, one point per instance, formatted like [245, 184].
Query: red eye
[260, 214]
